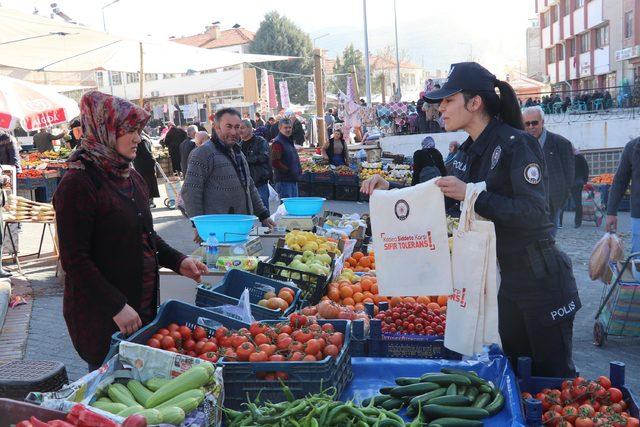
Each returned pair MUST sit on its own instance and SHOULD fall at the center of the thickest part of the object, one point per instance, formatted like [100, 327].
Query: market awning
[37, 43]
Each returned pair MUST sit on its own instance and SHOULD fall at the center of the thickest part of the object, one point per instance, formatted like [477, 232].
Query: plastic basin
[229, 228]
[303, 206]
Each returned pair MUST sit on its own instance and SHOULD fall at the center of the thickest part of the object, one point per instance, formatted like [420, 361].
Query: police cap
[469, 76]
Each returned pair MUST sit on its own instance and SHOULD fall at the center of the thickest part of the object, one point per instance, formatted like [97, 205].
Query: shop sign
[628, 53]
[44, 119]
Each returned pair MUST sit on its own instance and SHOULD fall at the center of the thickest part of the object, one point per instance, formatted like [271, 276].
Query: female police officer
[538, 297]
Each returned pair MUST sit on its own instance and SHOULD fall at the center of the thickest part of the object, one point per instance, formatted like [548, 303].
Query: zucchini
[193, 378]
[473, 377]
[377, 400]
[452, 390]
[391, 404]
[172, 415]
[451, 401]
[156, 382]
[197, 394]
[485, 388]
[472, 392]
[413, 389]
[386, 390]
[152, 416]
[113, 407]
[139, 392]
[462, 390]
[423, 398]
[412, 411]
[120, 394]
[187, 405]
[130, 411]
[104, 399]
[407, 380]
[455, 422]
[440, 411]
[446, 379]
[496, 404]
[482, 400]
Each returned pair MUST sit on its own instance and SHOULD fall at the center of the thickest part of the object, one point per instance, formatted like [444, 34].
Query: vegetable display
[83, 417]
[414, 318]
[301, 241]
[279, 301]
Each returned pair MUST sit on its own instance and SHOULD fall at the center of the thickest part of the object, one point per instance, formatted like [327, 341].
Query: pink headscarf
[104, 119]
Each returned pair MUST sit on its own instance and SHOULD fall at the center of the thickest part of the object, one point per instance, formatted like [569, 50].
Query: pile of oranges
[361, 263]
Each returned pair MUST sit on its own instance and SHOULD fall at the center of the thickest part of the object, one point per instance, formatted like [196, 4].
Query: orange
[368, 294]
[395, 301]
[356, 288]
[359, 269]
[352, 261]
[442, 300]
[373, 266]
[366, 269]
[365, 261]
[358, 297]
[346, 292]
[366, 300]
[357, 255]
[377, 299]
[408, 299]
[443, 309]
[374, 289]
[334, 295]
[366, 283]
[433, 306]
[344, 283]
[324, 298]
[423, 300]
[333, 285]
[348, 302]
[359, 306]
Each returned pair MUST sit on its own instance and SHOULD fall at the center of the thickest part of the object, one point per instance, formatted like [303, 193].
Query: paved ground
[47, 337]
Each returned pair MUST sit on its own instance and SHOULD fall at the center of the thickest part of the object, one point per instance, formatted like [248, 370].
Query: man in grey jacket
[218, 179]
[628, 169]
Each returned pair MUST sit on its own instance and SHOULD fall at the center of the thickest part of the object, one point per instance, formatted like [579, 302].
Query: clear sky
[434, 32]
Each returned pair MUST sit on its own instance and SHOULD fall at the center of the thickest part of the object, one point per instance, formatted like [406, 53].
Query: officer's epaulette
[508, 134]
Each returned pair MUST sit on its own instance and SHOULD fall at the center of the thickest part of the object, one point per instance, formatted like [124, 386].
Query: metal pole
[317, 68]
[104, 27]
[141, 76]
[395, 20]
[367, 72]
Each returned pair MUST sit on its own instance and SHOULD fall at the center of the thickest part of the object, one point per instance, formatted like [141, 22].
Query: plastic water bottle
[212, 250]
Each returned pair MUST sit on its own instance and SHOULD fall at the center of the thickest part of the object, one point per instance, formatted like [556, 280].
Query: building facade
[536, 67]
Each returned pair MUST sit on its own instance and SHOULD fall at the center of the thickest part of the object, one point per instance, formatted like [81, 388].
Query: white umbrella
[34, 106]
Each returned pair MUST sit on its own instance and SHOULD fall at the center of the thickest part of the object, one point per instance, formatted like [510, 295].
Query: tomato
[298, 320]
[173, 327]
[163, 331]
[224, 341]
[176, 336]
[199, 347]
[237, 340]
[282, 376]
[158, 337]
[337, 338]
[312, 347]
[153, 343]
[167, 343]
[331, 350]
[303, 336]
[220, 332]
[185, 331]
[198, 333]
[309, 358]
[257, 328]
[566, 396]
[270, 376]
[604, 382]
[258, 356]
[268, 348]
[296, 356]
[172, 349]
[245, 350]
[615, 395]
[192, 353]
[327, 327]
[189, 344]
[566, 384]
[551, 418]
[583, 422]
[261, 339]
[579, 391]
[586, 410]
[570, 413]
[526, 395]
[276, 358]
[297, 346]
[284, 341]
[211, 357]
[556, 408]
[578, 381]
[285, 329]
[229, 353]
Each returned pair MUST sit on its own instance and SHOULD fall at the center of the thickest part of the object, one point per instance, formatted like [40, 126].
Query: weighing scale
[250, 247]
[304, 223]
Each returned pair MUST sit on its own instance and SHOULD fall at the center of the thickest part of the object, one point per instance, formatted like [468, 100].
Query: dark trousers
[576, 194]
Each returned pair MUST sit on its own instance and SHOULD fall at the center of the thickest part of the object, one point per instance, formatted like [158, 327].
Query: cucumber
[485, 388]
[193, 378]
[462, 390]
[451, 401]
[391, 404]
[172, 415]
[472, 392]
[152, 416]
[412, 411]
[156, 382]
[482, 400]
[413, 389]
[473, 377]
[197, 394]
[407, 380]
[496, 404]
[113, 407]
[139, 392]
[386, 390]
[130, 411]
[440, 411]
[455, 422]
[452, 390]
[446, 379]
[377, 400]
[119, 393]
[423, 398]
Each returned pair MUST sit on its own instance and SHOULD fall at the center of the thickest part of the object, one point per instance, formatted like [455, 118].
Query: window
[552, 55]
[133, 77]
[602, 37]
[545, 19]
[567, 7]
[579, 3]
[572, 47]
[584, 43]
[99, 79]
[150, 76]
[116, 79]
[560, 53]
[628, 25]
[554, 13]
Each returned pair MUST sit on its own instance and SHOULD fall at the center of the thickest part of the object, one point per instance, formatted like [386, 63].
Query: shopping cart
[619, 312]
[172, 186]
[592, 209]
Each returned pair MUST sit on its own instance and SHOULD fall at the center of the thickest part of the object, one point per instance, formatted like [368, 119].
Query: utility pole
[356, 84]
[367, 71]
[141, 76]
[384, 101]
[317, 69]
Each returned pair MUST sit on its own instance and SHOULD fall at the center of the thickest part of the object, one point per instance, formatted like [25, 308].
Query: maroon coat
[100, 232]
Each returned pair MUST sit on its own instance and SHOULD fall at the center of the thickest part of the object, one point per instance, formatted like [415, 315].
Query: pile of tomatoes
[583, 403]
[413, 318]
[184, 340]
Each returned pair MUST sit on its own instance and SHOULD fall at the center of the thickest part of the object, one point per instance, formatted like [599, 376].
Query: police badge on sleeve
[532, 173]
[495, 157]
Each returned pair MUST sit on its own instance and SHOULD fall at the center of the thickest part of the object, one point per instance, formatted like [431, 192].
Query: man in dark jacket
[285, 161]
[256, 150]
[172, 141]
[145, 164]
[298, 131]
[187, 146]
[43, 140]
[581, 178]
[558, 156]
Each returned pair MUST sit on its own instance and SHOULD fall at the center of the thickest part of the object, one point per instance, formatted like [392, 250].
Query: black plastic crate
[324, 177]
[347, 193]
[323, 190]
[305, 177]
[229, 290]
[313, 286]
[348, 180]
[304, 189]
[241, 382]
[363, 197]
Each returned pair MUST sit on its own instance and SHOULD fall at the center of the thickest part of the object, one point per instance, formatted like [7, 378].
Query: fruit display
[314, 167]
[159, 400]
[182, 339]
[605, 178]
[345, 171]
[279, 301]
[447, 398]
[361, 263]
[354, 295]
[301, 241]
[81, 416]
[309, 262]
[21, 209]
[30, 173]
[584, 403]
[329, 310]
[414, 318]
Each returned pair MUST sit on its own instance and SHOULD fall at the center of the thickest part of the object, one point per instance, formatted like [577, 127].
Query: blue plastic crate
[229, 290]
[182, 314]
[240, 378]
[407, 346]
[322, 178]
[30, 183]
[533, 385]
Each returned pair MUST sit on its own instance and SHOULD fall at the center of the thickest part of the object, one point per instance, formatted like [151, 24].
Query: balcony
[601, 61]
[551, 72]
[556, 33]
[566, 25]
[585, 64]
[546, 37]
[578, 21]
[561, 71]
[594, 13]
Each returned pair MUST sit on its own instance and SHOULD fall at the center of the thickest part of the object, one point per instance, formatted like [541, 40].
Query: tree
[344, 65]
[278, 35]
[384, 62]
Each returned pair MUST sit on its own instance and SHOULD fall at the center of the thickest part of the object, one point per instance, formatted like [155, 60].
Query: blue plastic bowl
[303, 206]
[229, 228]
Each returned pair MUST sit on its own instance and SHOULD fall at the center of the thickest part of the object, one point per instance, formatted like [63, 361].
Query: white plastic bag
[600, 256]
[274, 199]
[241, 312]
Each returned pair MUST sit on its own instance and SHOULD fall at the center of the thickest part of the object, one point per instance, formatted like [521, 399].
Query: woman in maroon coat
[108, 247]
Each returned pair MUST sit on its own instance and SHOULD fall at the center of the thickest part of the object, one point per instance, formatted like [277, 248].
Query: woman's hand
[452, 187]
[192, 269]
[127, 320]
[376, 182]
